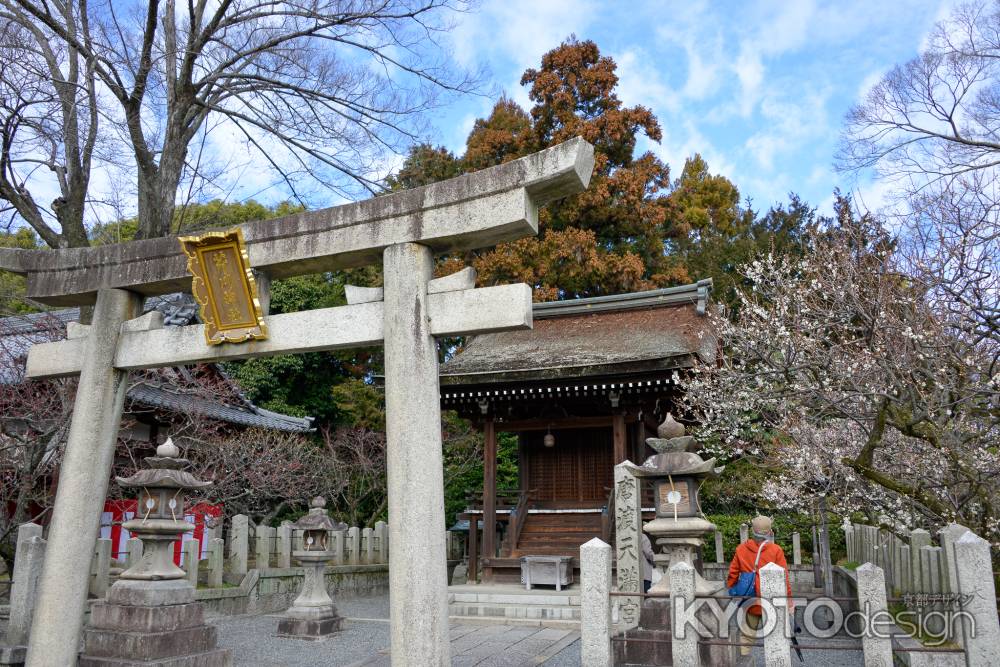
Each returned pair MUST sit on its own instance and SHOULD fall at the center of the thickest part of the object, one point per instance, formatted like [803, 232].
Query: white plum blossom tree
[864, 372]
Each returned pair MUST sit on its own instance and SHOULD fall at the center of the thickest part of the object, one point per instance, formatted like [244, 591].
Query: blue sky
[758, 88]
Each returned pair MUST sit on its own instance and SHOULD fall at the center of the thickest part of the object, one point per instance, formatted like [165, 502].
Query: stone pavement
[365, 641]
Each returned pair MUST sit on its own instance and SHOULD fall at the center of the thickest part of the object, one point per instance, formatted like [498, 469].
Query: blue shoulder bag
[746, 586]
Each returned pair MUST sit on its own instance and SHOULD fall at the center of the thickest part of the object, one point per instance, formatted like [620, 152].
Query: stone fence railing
[210, 563]
[913, 563]
[961, 567]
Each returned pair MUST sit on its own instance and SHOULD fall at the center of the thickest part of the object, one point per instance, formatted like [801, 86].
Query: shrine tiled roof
[173, 400]
[164, 389]
[602, 336]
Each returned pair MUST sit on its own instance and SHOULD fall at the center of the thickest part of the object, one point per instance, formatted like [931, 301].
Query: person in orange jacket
[762, 540]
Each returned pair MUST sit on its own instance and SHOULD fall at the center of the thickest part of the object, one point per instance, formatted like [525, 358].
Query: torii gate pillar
[83, 484]
[418, 605]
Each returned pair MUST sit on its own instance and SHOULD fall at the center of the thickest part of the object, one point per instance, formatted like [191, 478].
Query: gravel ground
[365, 641]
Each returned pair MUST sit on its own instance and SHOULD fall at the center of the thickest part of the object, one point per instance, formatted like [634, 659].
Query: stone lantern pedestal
[313, 614]
[150, 615]
[677, 533]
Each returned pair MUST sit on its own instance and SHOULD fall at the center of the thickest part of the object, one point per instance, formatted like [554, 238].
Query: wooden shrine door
[578, 470]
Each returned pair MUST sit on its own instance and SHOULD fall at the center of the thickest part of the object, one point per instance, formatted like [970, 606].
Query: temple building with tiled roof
[582, 390]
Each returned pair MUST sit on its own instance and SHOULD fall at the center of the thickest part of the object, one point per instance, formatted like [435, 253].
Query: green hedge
[784, 525]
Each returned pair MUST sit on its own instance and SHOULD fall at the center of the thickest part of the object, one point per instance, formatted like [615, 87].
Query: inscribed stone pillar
[366, 538]
[101, 568]
[877, 645]
[285, 544]
[930, 569]
[744, 533]
[382, 534]
[720, 556]
[133, 552]
[263, 550]
[337, 539]
[418, 577]
[83, 485]
[29, 557]
[595, 603]
[684, 643]
[918, 538]
[353, 545]
[628, 544]
[216, 562]
[848, 540]
[947, 537]
[777, 650]
[982, 635]
[192, 552]
[796, 549]
[239, 544]
[905, 573]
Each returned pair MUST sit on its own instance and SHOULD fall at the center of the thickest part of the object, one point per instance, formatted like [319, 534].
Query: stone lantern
[150, 615]
[159, 516]
[313, 614]
[677, 473]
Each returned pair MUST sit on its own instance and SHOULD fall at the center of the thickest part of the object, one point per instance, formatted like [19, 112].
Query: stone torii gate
[405, 229]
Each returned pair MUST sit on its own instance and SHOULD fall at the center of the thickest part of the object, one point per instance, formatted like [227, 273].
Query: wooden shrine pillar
[489, 495]
[618, 433]
[473, 575]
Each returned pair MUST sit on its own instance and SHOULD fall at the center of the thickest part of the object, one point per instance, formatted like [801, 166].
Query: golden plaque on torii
[224, 286]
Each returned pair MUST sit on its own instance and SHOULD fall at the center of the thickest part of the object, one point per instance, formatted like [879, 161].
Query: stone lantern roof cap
[166, 470]
[317, 518]
[675, 464]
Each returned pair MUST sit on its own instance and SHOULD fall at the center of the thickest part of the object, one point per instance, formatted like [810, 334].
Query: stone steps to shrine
[513, 605]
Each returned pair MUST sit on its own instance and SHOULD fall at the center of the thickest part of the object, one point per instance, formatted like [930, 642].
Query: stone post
[777, 649]
[239, 544]
[947, 537]
[29, 557]
[720, 556]
[877, 644]
[353, 545]
[905, 575]
[897, 564]
[949, 572]
[366, 536]
[382, 533]
[930, 569]
[133, 552]
[982, 634]
[263, 542]
[744, 533]
[418, 577]
[848, 539]
[684, 644]
[338, 538]
[595, 604]
[628, 544]
[918, 538]
[83, 485]
[192, 554]
[285, 544]
[101, 568]
[216, 562]
[796, 549]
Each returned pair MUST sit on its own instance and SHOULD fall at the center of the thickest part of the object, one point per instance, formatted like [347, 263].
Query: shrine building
[582, 391]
